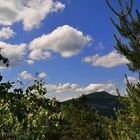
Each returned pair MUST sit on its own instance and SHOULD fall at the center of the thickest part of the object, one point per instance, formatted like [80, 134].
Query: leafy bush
[27, 114]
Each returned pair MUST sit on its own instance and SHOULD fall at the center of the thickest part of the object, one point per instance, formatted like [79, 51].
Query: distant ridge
[102, 101]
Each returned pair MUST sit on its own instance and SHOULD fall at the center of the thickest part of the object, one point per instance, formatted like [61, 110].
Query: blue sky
[70, 42]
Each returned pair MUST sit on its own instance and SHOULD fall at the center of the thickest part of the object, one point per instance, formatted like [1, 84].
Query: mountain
[102, 101]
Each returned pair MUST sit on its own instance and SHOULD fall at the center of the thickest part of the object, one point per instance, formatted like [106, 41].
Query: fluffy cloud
[29, 12]
[110, 60]
[6, 33]
[30, 62]
[109, 87]
[14, 53]
[25, 75]
[38, 54]
[42, 75]
[131, 79]
[66, 91]
[61, 88]
[65, 40]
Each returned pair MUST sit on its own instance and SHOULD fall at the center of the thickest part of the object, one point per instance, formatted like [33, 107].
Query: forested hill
[102, 101]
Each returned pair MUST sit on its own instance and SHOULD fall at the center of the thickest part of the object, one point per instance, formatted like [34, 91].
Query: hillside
[102, 101]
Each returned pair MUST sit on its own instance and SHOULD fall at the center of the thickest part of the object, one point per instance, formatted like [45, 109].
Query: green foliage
[27, 114]
[103, 102]
[82, 122]
[129, 28]
[127, 127]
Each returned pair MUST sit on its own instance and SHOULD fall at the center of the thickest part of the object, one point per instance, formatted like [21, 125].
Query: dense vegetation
[104, 103]
[26, 114]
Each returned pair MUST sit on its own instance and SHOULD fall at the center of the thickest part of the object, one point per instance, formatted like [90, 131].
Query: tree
[128, 119]
[26, 113]
[82, 122]
[129, 28]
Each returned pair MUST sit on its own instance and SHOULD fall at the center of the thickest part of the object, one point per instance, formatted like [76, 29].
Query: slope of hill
[102, 101]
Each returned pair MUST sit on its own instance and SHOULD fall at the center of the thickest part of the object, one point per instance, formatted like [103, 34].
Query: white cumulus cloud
[29, 12]
[6, 33]
[25, 75]
[38, 54]
[30, 62]
[65, 91]
[14, 53]
[42, 75]
[110, 60]
[65, 40]
[131, 79]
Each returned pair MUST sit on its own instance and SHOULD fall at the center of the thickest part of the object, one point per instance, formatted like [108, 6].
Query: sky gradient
[69, 42]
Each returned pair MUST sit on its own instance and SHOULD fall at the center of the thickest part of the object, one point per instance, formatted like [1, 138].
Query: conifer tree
[128, 119]
[129, 28]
